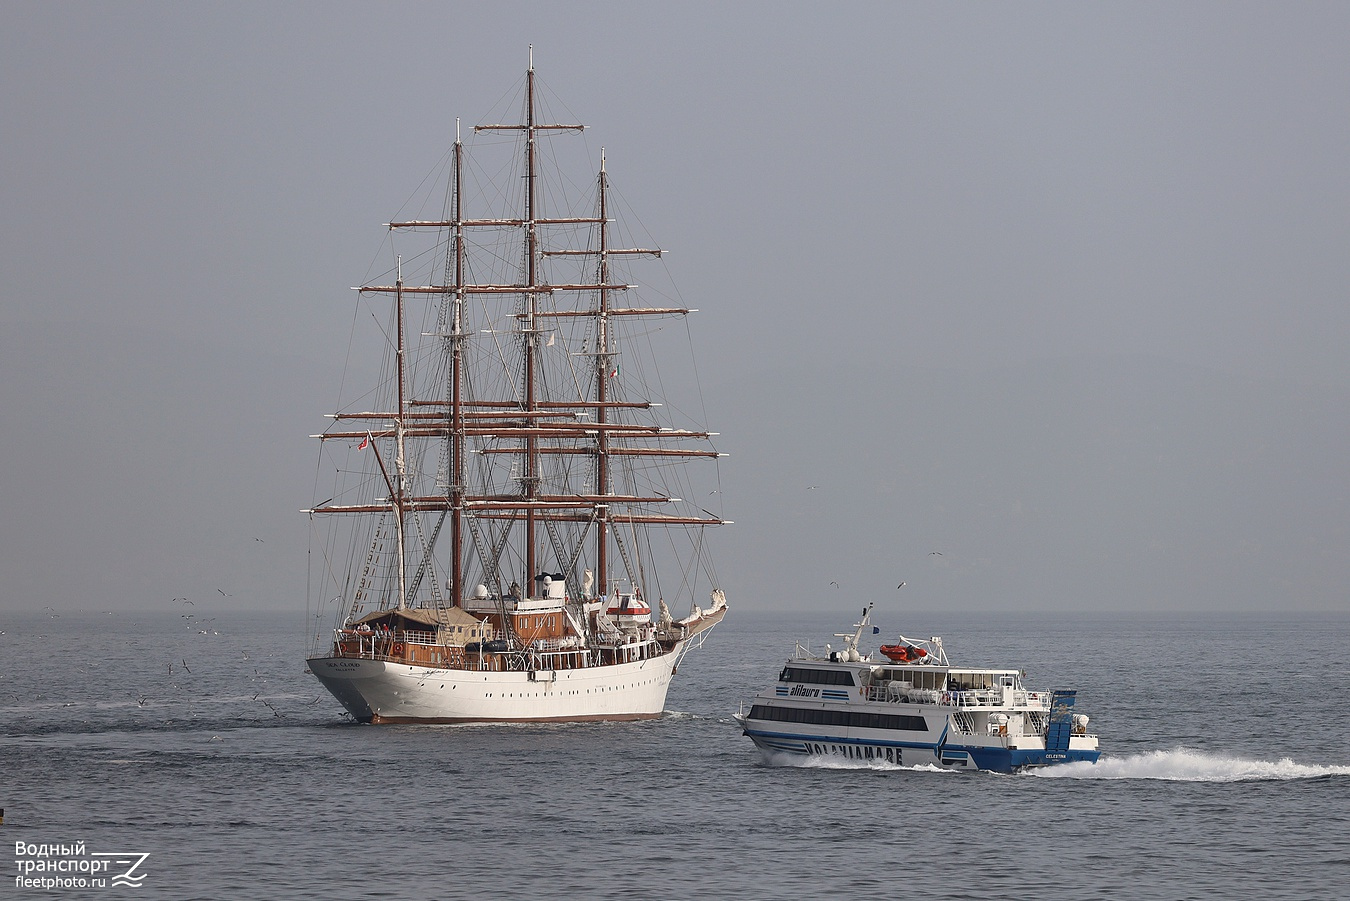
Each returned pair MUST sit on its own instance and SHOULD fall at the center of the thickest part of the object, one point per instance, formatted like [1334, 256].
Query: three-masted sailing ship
[512, 514]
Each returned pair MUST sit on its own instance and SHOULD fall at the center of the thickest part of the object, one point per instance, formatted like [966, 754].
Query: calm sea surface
[1226, 773]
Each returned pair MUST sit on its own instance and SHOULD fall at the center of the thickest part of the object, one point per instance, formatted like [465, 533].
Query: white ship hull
[377, 691]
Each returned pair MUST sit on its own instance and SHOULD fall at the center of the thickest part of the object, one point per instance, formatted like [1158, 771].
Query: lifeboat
[903, 653]
[630, 609]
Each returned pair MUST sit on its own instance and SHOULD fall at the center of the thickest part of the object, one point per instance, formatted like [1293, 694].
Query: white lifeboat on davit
[629, 609]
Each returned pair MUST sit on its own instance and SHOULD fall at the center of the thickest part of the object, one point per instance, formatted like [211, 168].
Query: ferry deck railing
[981, 697]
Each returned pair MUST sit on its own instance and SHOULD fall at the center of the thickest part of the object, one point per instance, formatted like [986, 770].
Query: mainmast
[400, 457]
[530, 479]
[456, 490]
[602, 357]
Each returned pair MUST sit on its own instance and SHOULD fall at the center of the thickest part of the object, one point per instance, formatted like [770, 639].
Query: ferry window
[885, 721]
[815, 676]
[838, 718]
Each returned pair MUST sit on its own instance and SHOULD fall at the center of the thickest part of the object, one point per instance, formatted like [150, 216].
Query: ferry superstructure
[911, 707]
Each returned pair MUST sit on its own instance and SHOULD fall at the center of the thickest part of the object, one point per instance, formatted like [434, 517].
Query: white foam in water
[1180, 765]
[832, 762]
[1183, 765]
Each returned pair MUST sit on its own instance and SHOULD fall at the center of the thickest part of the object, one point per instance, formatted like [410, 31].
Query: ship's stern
[343, 677]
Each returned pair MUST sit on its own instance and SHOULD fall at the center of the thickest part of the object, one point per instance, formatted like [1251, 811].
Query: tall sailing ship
[513, 511]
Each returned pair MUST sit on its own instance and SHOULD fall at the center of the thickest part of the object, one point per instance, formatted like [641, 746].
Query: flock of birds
[195, 675]
[202, 627]
[181, 675]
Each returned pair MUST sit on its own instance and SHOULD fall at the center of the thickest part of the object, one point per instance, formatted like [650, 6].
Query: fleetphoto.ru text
[47, 866]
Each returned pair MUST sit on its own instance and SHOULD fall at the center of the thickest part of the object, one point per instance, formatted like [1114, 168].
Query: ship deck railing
[555, 645]
[966, 698]
[390, 646]
[421, 648]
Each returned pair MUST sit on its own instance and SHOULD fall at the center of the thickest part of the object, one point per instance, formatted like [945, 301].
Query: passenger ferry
[911, 707]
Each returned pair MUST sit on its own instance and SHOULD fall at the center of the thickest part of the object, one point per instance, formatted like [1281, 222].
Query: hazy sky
[1049, 300]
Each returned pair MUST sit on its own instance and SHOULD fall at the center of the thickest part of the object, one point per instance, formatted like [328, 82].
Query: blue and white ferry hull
[941, 751]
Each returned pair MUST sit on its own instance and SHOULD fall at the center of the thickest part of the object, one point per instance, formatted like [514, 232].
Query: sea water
[197, 738]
